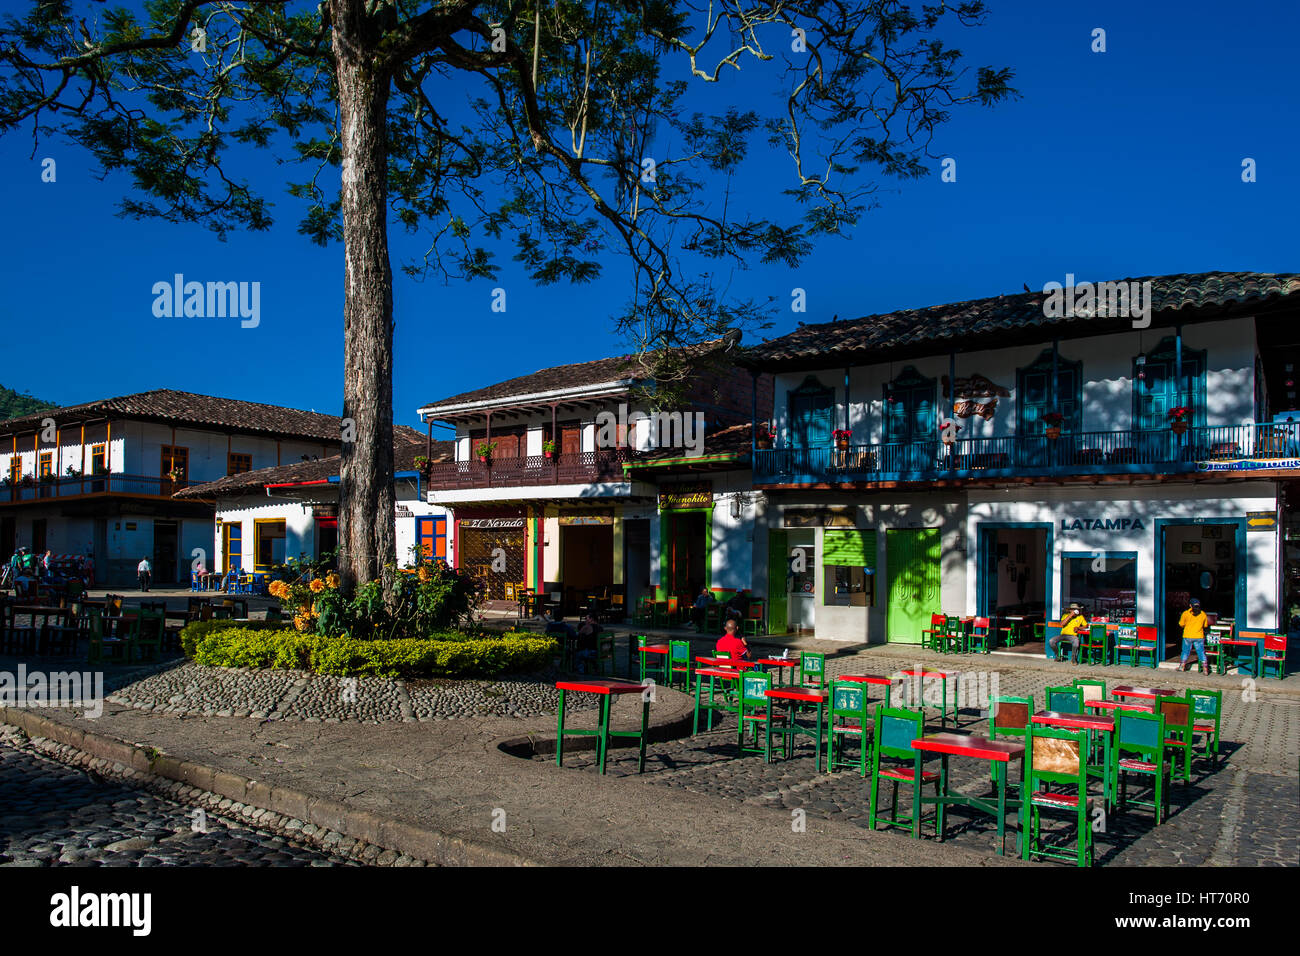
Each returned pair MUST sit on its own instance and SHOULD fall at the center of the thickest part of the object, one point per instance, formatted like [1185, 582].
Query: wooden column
[83, 458]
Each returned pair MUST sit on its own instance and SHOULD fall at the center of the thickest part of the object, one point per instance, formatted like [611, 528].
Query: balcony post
[753, 415]
[83, 458]
[951, 411]
[555, 437]
[487, 440]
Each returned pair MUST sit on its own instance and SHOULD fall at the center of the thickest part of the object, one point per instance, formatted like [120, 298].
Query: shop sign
[580, 518]
[832, 516]
[402, 511]
[491, 522]
[1261, 521]
[1250, 464]
[324, 511]
[1103, 524]
[693, 495]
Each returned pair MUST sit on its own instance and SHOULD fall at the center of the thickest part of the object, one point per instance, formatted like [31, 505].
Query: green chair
[644, 615]
[149, 633]
[656, 669]
[1177, 712]
[812, 670]
[1064, 700]
[1124, 644]
[1207, 708]
[954, 636]
[1092, 646]
[679, 662]
[894, 729]
[850, 719]
[101, 645]
[1142, 737]
[755, 711]
[1056, 759]
[605, 654]
[1009, 717]
[755, 622]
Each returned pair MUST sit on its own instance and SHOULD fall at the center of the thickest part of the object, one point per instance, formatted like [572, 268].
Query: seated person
[701, 606]
[732, 643]
[585, 639]
[1073, 626]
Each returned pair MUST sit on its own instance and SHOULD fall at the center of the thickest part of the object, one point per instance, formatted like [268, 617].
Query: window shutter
[845, 548]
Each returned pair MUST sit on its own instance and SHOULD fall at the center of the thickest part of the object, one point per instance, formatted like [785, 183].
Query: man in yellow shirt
[1073, 626]
[1193, 622]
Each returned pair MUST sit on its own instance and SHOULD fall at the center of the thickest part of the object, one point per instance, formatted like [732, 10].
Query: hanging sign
[686, 495]
[1249, 464]
[973, 387]
[1261, 521]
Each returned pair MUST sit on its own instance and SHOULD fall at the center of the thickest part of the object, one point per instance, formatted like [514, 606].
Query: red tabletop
[1147, 693]
[602, 685]
[968, 745]
[1241, 643]
[864, 678]
[727, 662]
[807, 694]
[723, 672]
[1118, 705]
[654, 649]
[1050, 718]
[928, 673]
[779, 661]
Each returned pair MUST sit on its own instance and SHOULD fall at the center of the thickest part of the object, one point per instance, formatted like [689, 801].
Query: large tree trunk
[366, 543]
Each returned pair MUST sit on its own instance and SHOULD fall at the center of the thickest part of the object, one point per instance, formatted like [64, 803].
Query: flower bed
[441, 655]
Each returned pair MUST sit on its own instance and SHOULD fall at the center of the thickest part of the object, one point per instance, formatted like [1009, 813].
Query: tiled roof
[186, 408]
[405, 450]
[618, 368]
[983, 318]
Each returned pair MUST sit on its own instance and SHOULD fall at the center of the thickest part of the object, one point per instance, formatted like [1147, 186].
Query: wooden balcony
[1256, 447]
[113, 483]
[588, 467]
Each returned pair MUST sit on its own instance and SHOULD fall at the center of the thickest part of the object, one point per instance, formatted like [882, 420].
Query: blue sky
[1111, 164]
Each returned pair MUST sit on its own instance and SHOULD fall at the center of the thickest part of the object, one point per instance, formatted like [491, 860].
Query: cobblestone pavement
[56, 815]
[1243, 813]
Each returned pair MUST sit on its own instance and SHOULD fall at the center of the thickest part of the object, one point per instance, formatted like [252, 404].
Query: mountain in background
[13, 405]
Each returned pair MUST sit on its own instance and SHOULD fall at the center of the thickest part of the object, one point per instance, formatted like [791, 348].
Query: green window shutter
[845, 548]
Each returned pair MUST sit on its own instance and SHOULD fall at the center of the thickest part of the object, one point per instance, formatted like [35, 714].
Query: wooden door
[778, 580]
[570, 438]
[912, 557]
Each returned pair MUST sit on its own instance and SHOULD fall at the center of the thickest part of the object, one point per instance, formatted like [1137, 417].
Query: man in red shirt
[732, 643]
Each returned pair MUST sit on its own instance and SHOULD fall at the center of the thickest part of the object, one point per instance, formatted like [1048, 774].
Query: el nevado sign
[1102, 524]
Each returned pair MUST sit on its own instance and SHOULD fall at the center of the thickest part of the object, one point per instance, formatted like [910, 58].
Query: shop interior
[1200, 562]
[1015, 573]
[586, 564]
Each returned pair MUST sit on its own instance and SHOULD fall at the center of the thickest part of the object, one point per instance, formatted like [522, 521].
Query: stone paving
[1244, 813]
[57, 815]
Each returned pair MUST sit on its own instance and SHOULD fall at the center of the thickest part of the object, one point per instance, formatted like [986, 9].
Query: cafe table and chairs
[102, 643]
[1011, 627]
[917, 678]
[1129, 692]
[22, 637]
[723, 659]
[781, 668]
[956, 635]
[728, 701]
[893, 759]
[850, 723]
[606, 688]
[62, 631]
[1056, 779]
[756, 713]
[35, 635]
[1099, 728]
[796, 698]
[1139, 748]
[1243, 648]
[1207, 709]
[871, 680]
[1177, 713]
[652, 659]
[948, 745]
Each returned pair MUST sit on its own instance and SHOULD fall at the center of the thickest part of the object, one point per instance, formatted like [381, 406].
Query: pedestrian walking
[144, 572]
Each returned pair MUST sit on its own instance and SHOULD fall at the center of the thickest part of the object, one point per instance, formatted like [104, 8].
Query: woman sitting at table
[732, 643]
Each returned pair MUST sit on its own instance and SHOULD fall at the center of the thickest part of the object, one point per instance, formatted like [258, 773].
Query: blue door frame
[1239, 591]
[983, 554]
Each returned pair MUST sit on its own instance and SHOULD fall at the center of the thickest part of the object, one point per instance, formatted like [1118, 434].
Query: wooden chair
[1056, 759]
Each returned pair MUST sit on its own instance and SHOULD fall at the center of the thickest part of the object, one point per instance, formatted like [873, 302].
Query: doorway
[8, 537]
[165, 537]
[586, 563]
[912, 561]
[1202, 561]
[38, 536]
[687, 544]
[1015, 568]
[327, 538]
[801, 550]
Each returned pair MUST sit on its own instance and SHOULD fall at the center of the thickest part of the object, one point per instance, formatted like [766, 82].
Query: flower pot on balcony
[842, 444]
[549, 454]
[1178, 428]
[486, 459]
[1052, 433]
[763, 442]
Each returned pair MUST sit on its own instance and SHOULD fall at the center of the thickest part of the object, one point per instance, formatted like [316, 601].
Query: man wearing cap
[1073, 626]
[1193, 622]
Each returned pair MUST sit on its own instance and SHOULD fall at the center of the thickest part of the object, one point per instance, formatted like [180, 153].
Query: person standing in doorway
[1193, 622]
[144, 572]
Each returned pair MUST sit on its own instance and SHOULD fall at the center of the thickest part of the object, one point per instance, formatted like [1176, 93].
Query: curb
[322, 812]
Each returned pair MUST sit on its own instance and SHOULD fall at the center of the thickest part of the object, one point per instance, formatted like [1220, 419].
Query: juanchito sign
[491, 522]
[1102, 524]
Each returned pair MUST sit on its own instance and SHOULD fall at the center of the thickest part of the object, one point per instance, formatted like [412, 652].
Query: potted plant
[1053, 422]
[27, 481]
[1177, 419]
[73, 471]
[842, 436]
[484, 450]
[763, 437]
[548, 448]
[177, 474]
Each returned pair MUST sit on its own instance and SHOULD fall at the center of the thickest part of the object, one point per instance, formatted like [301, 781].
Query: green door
[912, 558]
[778, 569]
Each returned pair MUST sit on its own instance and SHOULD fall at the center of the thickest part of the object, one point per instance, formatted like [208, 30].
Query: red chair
[981, 635]
[1274, 655]
[932, 636]
[1147, 643]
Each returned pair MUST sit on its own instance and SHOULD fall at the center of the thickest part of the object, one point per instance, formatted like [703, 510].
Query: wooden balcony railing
[112, 483]
[581, 468]
[1135, 451]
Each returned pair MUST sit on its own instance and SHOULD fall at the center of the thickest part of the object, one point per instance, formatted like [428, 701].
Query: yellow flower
[278, 589]
[425, 575]
[332, 580]
[302, 623]
[317, 586]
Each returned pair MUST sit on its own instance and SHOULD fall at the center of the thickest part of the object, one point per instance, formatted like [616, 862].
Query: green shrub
[195, 631]
[449, 655]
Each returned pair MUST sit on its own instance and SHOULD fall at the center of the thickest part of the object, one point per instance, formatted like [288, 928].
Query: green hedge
[444, 656]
